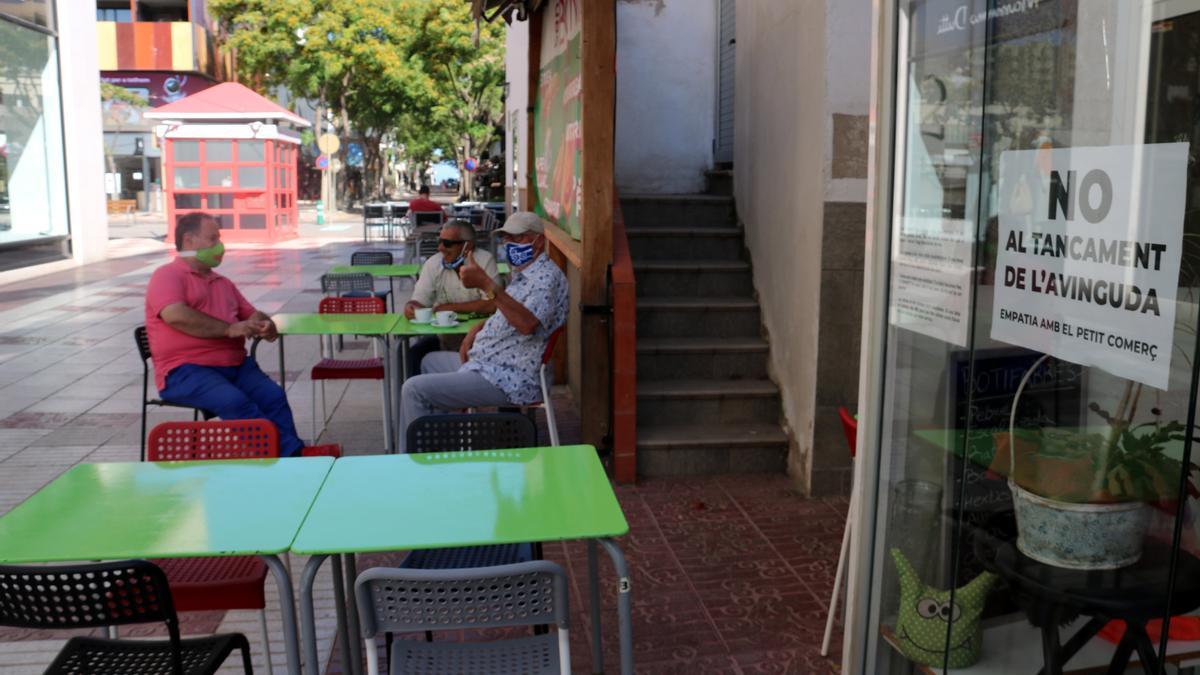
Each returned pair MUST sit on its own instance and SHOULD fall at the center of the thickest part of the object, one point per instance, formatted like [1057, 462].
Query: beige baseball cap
[522, 222]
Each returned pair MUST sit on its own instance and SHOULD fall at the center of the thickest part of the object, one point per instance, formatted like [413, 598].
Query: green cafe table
[171, 510]
[475, 498]
[377, 326]
[393, 271]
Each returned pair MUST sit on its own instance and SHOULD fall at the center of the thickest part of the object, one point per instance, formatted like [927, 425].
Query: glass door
[1037, 401]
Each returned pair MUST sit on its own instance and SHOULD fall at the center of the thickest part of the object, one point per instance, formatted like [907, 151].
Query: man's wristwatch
[490, 295]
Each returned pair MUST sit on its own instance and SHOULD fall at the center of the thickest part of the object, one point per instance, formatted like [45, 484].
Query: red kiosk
[225, 153]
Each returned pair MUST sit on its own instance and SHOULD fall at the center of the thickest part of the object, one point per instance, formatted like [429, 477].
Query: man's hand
[474, 276]
[410, 309]
[244, 329]
[468, 341]
[270, 332]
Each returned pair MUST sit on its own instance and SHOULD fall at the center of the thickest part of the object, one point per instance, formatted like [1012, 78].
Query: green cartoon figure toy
[921, 627]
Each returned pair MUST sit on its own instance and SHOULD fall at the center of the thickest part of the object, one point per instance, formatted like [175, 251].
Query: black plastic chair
[110, 594]
[143, 345]
[477, 431]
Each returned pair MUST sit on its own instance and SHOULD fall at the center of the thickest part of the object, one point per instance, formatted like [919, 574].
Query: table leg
[287, 610]
[1144, 648]
[624, 604]
[1051, 649]
[308, 620]
[339, 600]
[355, 637]
[1120, 659]
[388, 434]
[594, 602]
[282, 372]
[1081, 638]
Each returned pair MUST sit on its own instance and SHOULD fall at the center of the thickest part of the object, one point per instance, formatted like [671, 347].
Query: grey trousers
[442, 387]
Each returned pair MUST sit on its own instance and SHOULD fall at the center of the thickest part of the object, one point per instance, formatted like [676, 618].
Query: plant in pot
[1083, 499]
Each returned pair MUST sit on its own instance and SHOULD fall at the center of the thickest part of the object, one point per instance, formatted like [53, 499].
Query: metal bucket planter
[1079, 536]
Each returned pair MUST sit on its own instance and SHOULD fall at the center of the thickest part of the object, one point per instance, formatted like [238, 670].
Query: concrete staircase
[705, 404]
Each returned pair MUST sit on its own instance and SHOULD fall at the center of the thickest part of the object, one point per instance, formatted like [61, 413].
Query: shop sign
[931, 278]
[1088, 255]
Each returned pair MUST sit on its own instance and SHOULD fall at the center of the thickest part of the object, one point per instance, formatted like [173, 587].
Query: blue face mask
[518, 254]
[456, 263]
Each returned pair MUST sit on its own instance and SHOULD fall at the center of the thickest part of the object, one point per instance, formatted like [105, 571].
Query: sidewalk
[731, 574]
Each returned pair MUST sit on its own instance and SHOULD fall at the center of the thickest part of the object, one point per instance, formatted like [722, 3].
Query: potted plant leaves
[1083, 498]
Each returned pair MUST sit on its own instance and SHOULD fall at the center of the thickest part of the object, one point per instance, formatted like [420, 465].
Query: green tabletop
[434, 500]
[334, 324]
[403, 270]
[406, 327]
[164, 510]
[378, 270]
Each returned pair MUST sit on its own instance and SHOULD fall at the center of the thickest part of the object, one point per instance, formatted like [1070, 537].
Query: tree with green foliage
[407, 69]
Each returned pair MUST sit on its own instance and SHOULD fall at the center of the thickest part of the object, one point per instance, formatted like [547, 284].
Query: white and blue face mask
[456, 263]
[518, 254]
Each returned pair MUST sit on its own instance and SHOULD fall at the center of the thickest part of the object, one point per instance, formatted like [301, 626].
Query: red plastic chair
[234, 582]
[544, 380]
[344, 369]
[850, 428]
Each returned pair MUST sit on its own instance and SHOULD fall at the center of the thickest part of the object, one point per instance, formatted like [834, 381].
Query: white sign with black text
[931, 277]
[1088, 255]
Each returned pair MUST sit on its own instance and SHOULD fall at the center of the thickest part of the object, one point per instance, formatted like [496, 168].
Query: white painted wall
[516, 68]
[780, 189]
[847, 81]
[666, 94]
[83, 132]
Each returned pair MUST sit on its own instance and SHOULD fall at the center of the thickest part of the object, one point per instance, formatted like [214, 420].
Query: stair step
[707, 389]
[691, 243]
[684, 303]
[740, 358]
[715, 317]
[701, 345]
[692, 210]
[696, 278]
[708, 401]
[665, 450]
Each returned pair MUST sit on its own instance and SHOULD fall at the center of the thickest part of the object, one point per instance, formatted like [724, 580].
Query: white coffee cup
[423, 314]
[446, 318]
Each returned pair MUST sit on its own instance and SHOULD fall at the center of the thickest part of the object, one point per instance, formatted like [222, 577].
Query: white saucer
[443, 325]
[429, 320]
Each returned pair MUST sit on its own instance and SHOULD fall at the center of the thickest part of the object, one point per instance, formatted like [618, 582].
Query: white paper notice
[931, 278]
[1087, 263]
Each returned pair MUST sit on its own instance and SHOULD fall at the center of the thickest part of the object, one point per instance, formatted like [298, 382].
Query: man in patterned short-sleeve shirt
[499, 360]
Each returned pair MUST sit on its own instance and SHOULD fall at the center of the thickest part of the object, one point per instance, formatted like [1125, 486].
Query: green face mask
[209, 257]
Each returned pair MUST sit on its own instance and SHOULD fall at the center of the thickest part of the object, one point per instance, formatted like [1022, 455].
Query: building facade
[51, 209]
[160, 52]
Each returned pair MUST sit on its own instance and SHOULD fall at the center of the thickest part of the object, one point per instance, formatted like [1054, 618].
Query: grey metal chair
[371, 257]
[473, 431]
[350, 285]
[376, 216]
[425, 242]
[533, 593]
[422, 218]
[110, 594]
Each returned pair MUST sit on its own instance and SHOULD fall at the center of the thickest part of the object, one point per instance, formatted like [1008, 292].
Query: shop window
[187, 177]
[186, 151]
[188, 200]
[251, 177]
[1032, 434]
[251, 151]
[252, 221]
[220, 200]
[220, 178]
[218, 151]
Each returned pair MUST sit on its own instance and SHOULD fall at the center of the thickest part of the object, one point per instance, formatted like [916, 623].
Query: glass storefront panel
[32, 171]
[1039, 378]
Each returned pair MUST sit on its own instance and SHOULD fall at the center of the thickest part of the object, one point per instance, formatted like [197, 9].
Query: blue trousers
[235, 393]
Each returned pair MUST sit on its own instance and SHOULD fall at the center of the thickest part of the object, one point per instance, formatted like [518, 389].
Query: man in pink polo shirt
[197, 323]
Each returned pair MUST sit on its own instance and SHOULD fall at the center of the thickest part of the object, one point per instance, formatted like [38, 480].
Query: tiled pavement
[731, 574]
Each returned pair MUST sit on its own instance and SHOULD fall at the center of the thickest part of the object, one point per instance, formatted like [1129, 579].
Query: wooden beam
[572, 250]
[596, 211]
[535, 72]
